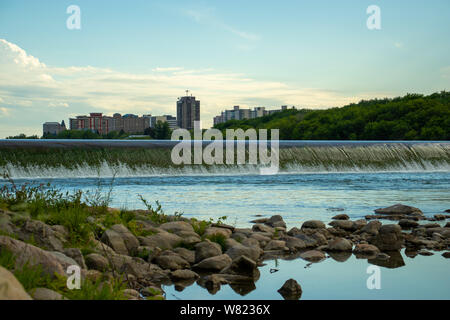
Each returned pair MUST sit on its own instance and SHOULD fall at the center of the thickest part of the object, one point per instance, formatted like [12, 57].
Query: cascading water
[59, 161]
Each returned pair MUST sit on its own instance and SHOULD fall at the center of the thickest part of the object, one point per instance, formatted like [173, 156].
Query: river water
[296, 196]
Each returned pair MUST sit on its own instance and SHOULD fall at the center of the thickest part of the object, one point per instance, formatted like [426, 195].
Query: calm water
[298, 197]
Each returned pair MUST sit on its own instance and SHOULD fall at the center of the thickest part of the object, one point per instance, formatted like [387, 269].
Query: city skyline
[130, 58]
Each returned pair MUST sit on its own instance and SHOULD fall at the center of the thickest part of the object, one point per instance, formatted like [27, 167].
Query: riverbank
[130, 254]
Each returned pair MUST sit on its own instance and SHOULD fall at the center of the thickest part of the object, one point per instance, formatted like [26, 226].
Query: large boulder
[243, 266]
[214, 231]
[364, 250]
[263, 228]
[291, 290]
[33, 256]
[206, 249]
[313, 255]
[294, 244]
[10, 287]
[177, 227]
[389, 238]
[171, 260]
[120, 239]
[276, 222]
[45, 294]
[64, 260]
[340, 244]
[251, 252]
[76, 255]
[216, 263]
[313, 224]
[162, 240]
[341, 216]
[180, 275]
[96, 262]
[41, 234]
[186, 254]
[276, 245]
[371, 228]
[399, 209]
[346, 225]
[408, 223]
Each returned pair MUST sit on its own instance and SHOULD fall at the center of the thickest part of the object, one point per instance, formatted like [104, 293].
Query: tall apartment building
[53, 128]
[188, 111]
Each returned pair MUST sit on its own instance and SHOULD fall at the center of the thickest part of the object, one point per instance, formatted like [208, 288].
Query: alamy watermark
[73, 22]
[374, 280]
[213, 153]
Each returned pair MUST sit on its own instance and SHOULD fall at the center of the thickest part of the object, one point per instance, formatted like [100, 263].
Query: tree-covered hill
[412, 117]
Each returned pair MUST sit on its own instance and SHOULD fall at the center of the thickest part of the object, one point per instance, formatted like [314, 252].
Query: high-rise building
[188, 111]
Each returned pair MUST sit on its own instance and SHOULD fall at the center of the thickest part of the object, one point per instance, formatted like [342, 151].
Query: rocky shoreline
[183, 251]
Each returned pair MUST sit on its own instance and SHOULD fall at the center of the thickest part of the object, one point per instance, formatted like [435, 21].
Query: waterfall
[63, 160]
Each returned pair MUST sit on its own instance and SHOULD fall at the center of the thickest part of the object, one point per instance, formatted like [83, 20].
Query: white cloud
[46, 89]
[4, 112]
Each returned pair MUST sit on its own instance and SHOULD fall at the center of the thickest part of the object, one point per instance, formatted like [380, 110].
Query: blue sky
[139, 56]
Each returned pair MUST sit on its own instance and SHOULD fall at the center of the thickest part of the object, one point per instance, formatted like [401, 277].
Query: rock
[291, 290]
[445, 255]
[359, 224]
[92, 275]
[152, 291]
[389, 238]
[307, 240]
[391, 261]
[313, 255]
[262, 240]
[276, 221]
[162, 240]
[120, 239]
[216, 263]
[229, 243]
[102, 249]
[294, 244]
[206, 249]
[76, 255]
[366, 251]
[186, 254]
[346, 225]
[96, 262]
[131, 294]
[139, 268]
[447, 225]
[407, 223]
[263, 228]
[431, 225]
[211, 231]
[243, 266]
[260, 220]
[34, 256]
[41, 234]
[177, 227]
[439, 217]
[313, 224]
[371, 228]
[183, 275]
[213, 283]
[251, 252]
[64, 260]
[399, 209]
[425, 252]
[276, 245]
[10, 287]
[341, 216]
[340, 244]
[171, 261]
[45, 294]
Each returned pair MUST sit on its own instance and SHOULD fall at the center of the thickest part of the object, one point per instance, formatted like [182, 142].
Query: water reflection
[395, 260]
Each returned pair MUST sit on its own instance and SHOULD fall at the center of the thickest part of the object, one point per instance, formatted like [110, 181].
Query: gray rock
[252, 252]
[407, 223]
[206, 249]
[389, 238]
[183, 275]
[341, 216]
[340, 244]
[120, 239]
[162, 240]
[291, 290]
[313, 224]
[64, 260]
[34, 256]
[313, 255]
[11, 288]
[171, 261]
[399, 209]
[263, 228]
[76, 255]
[211, 231]
[243, 266]
[43, 235]
[96, 262]
[186, 254]
[45, 294]
[346, 225]
[216, 263]
[276, 245]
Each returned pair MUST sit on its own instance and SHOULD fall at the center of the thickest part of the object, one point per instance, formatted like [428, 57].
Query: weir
[106, 158]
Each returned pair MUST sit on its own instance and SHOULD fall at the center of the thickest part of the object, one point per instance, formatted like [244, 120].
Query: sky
[139, 56]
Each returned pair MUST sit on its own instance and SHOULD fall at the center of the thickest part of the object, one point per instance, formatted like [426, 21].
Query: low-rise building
[53, 128]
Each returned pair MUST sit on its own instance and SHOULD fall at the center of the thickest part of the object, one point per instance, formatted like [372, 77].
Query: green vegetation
[86, 134]
[412, 117]
[23, 136]
[161, 131]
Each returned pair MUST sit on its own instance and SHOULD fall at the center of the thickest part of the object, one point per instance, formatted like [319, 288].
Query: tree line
[412, 117]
